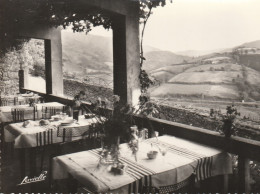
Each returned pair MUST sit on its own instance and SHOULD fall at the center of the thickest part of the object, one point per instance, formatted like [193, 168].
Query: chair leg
[2, 138]
[50, 171]
[42, 158]
[72, 184]
[12, 150]
[56, 152]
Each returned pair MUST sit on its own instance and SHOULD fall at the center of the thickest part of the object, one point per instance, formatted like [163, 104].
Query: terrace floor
[10, 173]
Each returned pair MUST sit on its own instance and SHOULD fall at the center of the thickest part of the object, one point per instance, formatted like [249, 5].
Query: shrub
[38, 71]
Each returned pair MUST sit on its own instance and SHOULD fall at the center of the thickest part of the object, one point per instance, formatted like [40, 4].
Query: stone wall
[73, 87]
[204, 121]
[189, 118]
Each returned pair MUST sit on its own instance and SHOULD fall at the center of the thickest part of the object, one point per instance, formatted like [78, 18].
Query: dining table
[6, 111]
[28, 138]
[22, 98]
[180, 159]
[58, 131]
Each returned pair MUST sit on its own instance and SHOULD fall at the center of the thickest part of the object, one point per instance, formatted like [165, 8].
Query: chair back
[44, 138]
[185, 186]
[17, 114]
[4, 102]
[35, 113]
[16, 102]
[93, 138]
[48, 111]
[90, 138]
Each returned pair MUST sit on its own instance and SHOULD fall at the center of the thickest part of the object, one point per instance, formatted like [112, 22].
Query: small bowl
[56, 118]
[89, 115]
[44, 122]
[152, 154]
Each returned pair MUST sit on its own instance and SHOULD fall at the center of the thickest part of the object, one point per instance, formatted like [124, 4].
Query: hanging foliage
[48, 12]
[146, 7]
[64, 13]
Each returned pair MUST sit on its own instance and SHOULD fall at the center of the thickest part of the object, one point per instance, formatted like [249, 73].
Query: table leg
[32, 153]
[225, 183]
[22, 153]
[2, 139]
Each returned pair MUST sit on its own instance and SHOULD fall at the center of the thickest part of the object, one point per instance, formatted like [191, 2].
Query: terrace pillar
[23, 79]
[53, 64]
[127, 56]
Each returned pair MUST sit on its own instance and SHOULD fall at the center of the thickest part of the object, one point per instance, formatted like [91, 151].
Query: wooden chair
[92, 138]
[17, 114]
[48, 111]
[4, 102]
[43, 139]
[185, 186]
[16, 102]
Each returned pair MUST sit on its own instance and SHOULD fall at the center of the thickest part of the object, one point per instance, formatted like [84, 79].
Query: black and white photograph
[130, 96]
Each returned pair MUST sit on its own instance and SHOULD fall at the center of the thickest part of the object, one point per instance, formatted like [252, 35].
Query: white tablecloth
[181, 160]
[26, 137]
[24, 98]
[6, 115]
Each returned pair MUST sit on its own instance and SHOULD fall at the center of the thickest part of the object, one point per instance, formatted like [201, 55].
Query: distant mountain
[158, 59]
[197, 53]
[94, 54]
[148, 49]
[209, 75]
[86, 53]
[255, 44]
[201, 53]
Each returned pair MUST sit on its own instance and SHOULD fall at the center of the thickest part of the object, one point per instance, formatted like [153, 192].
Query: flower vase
[32, 104]
[117, 149]
[113, 151]
[227, 128]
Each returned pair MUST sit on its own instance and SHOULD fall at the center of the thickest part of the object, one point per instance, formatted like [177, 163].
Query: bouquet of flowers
[228, 127]
[113, 126]
[32, 102]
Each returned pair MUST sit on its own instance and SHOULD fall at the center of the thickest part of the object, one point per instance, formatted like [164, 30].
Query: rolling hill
[255, 44]
[91, 54]
[197, 53]
[179, 74]
[86, 53]
[158, 59]
[215, 75]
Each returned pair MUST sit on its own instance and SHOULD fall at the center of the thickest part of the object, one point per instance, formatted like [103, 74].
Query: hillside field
[197, 91]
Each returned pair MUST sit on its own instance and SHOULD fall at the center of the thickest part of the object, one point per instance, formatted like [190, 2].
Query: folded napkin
[28, 123]
[44, 122]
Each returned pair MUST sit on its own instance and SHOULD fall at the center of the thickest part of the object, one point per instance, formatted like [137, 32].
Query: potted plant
[32, 102]
[147, 109]
[113, 127]
[228, 127]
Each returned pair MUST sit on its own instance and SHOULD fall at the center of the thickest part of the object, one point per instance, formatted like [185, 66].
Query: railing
[245, 148]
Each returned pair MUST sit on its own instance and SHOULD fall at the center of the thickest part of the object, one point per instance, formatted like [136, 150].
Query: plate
[68, 122]
[65, 124]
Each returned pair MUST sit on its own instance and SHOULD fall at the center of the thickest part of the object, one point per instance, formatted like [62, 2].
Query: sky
[201, 25]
